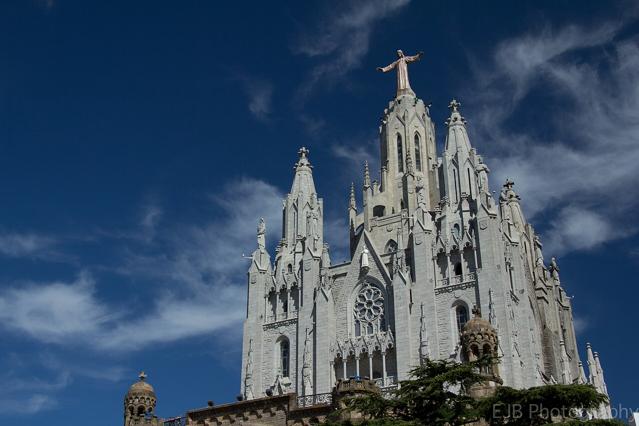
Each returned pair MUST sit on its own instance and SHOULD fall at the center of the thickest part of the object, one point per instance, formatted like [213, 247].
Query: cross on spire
[454, 105]
[142, 376]
[303, 152]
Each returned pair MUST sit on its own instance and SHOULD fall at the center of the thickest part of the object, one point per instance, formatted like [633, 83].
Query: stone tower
[139, 404]
[429, 242]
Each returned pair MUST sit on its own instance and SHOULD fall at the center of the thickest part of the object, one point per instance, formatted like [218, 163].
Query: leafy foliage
[438, 394]
[538, 405]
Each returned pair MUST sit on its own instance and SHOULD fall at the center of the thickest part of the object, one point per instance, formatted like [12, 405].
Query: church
[431, 246]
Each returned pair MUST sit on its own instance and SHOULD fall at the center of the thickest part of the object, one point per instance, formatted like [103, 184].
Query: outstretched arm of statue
[414, 57]
[387, 68]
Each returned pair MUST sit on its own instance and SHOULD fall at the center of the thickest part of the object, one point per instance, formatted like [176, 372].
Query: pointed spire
[592, 365]
[457, 138]
[367, 176]
[582, 374]
[303, 180]
[352, 202]
[303, 159]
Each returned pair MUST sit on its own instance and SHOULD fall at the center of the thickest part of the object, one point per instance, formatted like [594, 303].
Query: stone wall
[277, 410]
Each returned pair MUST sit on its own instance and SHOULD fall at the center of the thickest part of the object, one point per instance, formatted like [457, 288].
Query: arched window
[368, 311]
[391, 247]
[285, 357]
[461, 312]
[289, 268]
[400, 154]
[418, 153]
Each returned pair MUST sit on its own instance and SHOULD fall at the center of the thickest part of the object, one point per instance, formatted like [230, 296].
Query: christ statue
[403, 86]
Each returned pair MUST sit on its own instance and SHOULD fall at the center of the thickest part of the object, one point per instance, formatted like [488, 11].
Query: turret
[479, 339]
[139, 403]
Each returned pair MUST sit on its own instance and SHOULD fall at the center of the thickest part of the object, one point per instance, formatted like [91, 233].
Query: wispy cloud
[25, 244]
[353, 154]
[199, 273]
[341, 39]
[29, 405]
[55, 312]
[578, 170]
[259, 94]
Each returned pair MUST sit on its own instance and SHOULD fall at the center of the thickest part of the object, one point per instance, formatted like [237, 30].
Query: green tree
[438, 394]
[540, 405]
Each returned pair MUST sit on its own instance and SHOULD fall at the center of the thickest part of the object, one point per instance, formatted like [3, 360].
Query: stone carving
[492, 317]
[554, 269]
[248, 373]
[307, 369]
[482, 171]
[261, 231]
[369, 304]
[423, 336]
[364, 265]
[401, 64]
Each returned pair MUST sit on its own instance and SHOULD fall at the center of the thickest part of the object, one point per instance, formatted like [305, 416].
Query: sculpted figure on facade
[307, 373]
[401, 64]
[554, 269]
[248, 374]
[261, 231]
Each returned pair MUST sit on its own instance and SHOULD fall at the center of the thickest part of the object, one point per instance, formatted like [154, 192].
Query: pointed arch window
[400, 154]
[461, 312]
[285, 357]
[418, 153]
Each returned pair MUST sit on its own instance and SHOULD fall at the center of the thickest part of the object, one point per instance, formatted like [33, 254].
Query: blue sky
[141, 141]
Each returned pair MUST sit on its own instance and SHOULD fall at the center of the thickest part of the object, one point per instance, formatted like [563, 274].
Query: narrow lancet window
[285, 354]
[418, 153]
[400, 154]
[462, 317]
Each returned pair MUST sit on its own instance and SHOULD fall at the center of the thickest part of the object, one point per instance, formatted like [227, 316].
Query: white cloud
[576, 161]
[260, 96]
[580, 324]
[25, 245]
[341, 39]
[199, 273]
[54, 312]
[28, 405]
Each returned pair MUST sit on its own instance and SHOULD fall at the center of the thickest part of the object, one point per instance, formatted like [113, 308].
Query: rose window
[369, 310]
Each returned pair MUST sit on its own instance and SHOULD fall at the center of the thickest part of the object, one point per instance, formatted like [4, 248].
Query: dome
[478, 325]
[141, 388]
[140, 399]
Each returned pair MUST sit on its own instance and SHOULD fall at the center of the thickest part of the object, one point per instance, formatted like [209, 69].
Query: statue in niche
[248, 373]
[364, 265]
[307, 372]
[554, 268]
[482, 171]
[540, 268]
[261, 231]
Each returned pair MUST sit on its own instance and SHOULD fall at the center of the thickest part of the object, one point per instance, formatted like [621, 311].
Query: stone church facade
[429, 243]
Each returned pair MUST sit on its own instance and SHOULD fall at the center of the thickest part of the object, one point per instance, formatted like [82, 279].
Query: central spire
[403, 85]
